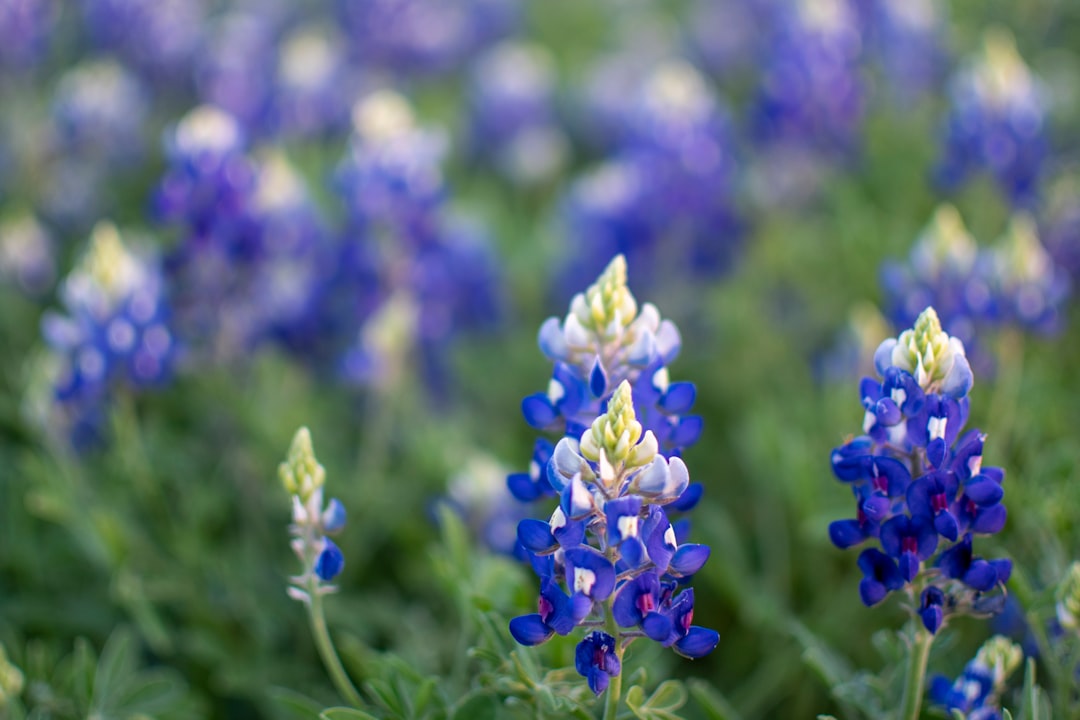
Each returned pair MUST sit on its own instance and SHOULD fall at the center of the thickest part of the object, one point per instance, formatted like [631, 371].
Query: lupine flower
[434, 277]
[312, 521]
[422, 36]
[512, 120]
[116, 332]
[810, 93]
[665, 197]
[99, 110]
[26, 27]
[1028, 287]
[920, 487]
[609, 549]
[312, 90]
[996, 122]
[906, 37]
[235, 70]
[158, 37]
[27, 255]
[728, 37]
[976, 693]
[1012, 284]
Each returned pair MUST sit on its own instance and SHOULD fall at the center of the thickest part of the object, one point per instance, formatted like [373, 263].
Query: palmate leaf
[661, 705]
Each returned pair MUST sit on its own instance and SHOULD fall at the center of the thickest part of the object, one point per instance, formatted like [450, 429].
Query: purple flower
[596, 660]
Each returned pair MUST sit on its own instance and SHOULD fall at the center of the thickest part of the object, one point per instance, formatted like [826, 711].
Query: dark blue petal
[598, 379]
[871, 592]
[931, 618]
[946, 525]
[909, 565]
[698, 642]
[989, 520]
[984, 491]
[679, 398]
[632, 552]
[846, 533]
[688, 559]
[926, 537]
[658, 627]
[536, 536]
[896, 474]
[892, 532]
[538, 411]
[522, 487]
[330, 561]
[530, 629]
[635, 598]
[689, 499]
[936, 452]
[869, 392]
[887, 412]
[1003, 568]
[852, 461]
[687, 431]
[980, 576]
[877, 507]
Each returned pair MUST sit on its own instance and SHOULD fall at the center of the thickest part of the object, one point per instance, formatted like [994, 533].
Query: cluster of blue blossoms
[116, 334]
[920, 487]
[997, 123]
[1013, 283]
[609, 557]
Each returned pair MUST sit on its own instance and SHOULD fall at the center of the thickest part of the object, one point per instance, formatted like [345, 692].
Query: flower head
[1068, 599]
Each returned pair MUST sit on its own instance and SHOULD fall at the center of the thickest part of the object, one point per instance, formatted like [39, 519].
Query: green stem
[326, 649]
[614, 689]
[915, 682]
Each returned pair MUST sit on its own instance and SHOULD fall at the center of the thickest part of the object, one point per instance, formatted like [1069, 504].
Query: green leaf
[477, 706]
[668, 697]
[116, 666]
[291, 705]
[715, 705]
[1036, 705]
[150, 693]
[635, 698]
[345, 713]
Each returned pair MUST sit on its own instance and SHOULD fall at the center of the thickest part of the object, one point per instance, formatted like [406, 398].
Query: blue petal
[333, 517]
[990, 520]
[538, 411]
[981, 576]
[551, 339]
[883, 356]
[689, 499]
[596, 572]
[522, 487]
[945, 524]
[984, 491]
[679, 398]
[688, 559]
[959, 379]
[658, 627]
[598, 379]
[846, 533]
[530, 629]
[330, 561]
[536, 536]
[871, 592]
[931, 618]
[687, 431]
[698, 642]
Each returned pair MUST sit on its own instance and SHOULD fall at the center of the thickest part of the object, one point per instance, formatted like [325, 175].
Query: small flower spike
[303, 478]
[921, 491]
[1068, 599]
[609, 555]
[976, 693]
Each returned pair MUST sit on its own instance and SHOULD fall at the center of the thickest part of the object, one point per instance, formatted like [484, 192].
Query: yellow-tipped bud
[617, 434]
[1001, 656]
[301, 473]
[608, 305]
[1068, 599]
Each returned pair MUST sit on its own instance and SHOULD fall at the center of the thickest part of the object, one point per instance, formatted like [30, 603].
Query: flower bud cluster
[1068, 599]
[609, 557]
[920, 488]
[312, 521]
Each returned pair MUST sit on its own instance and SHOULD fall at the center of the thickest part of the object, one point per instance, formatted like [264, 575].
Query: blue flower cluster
[975, 693]
[1013, 283]
[312, 522]
[609, 557]
[920, 488]
[116, 333]
[996, 122]
[665, 196]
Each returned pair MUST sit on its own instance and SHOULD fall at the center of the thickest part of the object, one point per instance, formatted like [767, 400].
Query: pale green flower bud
[1019, 256]
[933, 357]
[945, 245]
[1000, 73]
[1000, 656]
[301, 473]
[607, 306]
[615, 435]
[1068, 599]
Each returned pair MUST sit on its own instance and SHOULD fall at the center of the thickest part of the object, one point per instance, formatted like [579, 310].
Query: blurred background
[222, 220]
